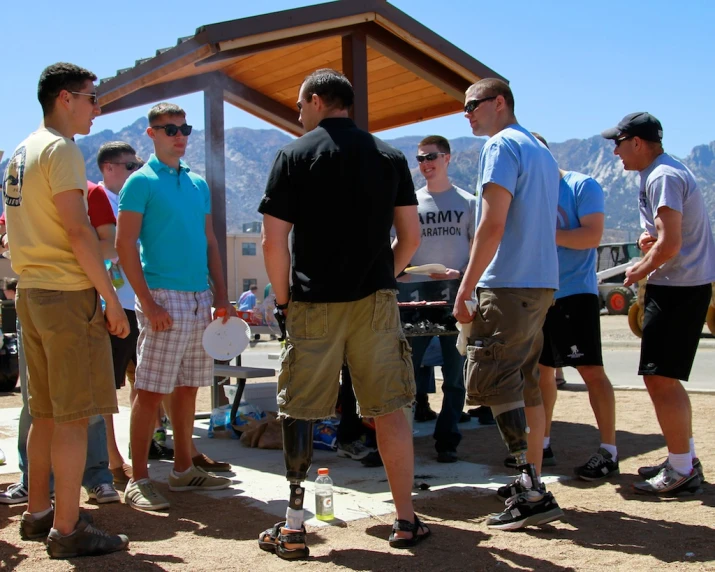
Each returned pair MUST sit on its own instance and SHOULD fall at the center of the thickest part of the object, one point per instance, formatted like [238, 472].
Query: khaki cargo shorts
[366, 334]
[68, 353]
[505, 344]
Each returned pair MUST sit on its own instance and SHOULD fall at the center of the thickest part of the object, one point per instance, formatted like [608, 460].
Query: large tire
[635, 319]
[618, 300]
[710, 319]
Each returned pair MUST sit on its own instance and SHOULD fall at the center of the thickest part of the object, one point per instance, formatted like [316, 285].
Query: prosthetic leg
[511, 421]
[298, 454]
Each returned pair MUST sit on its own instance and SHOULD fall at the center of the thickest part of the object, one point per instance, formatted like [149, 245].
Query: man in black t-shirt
[340, 190]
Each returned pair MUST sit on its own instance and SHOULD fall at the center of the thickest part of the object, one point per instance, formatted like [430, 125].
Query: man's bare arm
[407, 228]
[588, 235]
[218, 284]
[276, 255]
[107, 235]
[669, 225]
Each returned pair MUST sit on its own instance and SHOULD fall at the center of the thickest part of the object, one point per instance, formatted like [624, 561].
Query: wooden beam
[417, 62]
[415, 116]
[248, 99]
[157, 92]
[355, 68]
[214, 145]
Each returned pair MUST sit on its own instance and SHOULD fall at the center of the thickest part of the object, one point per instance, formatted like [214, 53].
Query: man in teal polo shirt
[168, 209]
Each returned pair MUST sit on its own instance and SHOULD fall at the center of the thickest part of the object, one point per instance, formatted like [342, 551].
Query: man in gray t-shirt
[447, 218]
[679, 262]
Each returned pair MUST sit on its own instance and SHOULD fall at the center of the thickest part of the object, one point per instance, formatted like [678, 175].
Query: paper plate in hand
[426, 269]
[225, 341]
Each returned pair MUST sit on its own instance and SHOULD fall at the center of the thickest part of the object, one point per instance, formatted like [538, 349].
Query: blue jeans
[446, 431]
[96, 469]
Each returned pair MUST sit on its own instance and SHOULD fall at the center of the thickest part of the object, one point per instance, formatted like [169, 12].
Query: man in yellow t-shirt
[56, 252]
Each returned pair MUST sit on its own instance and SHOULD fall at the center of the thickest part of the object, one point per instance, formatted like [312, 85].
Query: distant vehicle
[613, 261]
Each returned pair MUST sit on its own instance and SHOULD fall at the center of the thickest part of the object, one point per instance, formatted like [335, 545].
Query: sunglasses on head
[171, 130]
[92, 96]
[128, 165]
[620, 140]
[428, 157]
[473, 104]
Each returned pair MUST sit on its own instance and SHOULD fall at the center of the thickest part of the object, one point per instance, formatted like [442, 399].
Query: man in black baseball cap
[640, 124]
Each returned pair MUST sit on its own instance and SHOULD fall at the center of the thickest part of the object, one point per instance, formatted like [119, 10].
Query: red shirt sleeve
[98, 207]
[2, 218]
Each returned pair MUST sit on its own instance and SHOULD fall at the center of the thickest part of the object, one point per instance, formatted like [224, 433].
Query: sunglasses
[473, 104]
[129, 165]
[428, 157]
[92, 96]
[622, 139]
[171, 130]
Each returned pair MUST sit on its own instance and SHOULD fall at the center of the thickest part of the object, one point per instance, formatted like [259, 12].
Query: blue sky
[576, 67]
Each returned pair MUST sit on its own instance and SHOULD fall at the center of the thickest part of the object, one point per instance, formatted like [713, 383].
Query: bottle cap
[323, 471]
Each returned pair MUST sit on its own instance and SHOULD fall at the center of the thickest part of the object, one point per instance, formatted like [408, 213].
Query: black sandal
[407, 526]
[269, 544]
[292, 538]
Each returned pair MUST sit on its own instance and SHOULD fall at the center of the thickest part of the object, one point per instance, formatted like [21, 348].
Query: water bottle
[115, 273]
[324, 496]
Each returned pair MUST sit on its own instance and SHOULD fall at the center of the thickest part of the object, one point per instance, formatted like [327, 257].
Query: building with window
[244, 265]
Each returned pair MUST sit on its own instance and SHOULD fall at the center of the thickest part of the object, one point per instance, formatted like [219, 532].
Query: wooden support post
[355, 68]
[216, 165]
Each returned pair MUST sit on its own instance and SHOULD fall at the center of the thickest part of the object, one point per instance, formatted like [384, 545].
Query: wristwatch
[282, 306]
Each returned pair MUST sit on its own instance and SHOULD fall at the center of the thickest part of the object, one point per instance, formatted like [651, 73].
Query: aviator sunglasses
[428, 157]
[128, 165]
[473, 104]
[171, 130]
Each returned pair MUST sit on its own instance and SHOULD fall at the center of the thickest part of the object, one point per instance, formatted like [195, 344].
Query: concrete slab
[258, 474]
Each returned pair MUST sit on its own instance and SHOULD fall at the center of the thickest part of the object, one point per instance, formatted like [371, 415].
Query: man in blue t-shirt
[679, 263]
[572, 331]
[168, 209]
[247, 301]
[514, 266]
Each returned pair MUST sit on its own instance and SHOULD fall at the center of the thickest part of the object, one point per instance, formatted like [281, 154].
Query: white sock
[692, 449]
[138, 481]
[294, 519]
[547, 442]
[36, 515]
[612, 449]
[683, 462]
[182, 473]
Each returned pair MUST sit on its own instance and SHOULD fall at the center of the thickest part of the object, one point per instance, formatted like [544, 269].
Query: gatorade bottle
[115, 274]
[324, 496]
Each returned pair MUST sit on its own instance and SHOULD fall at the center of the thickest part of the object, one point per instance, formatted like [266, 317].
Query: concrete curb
[705, 344]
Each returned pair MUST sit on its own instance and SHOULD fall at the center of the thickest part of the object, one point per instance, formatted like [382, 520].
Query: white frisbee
[426, 269]
[225, 341]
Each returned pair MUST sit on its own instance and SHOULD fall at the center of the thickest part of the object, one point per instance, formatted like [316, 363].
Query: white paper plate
[426, 269]
[226, 341]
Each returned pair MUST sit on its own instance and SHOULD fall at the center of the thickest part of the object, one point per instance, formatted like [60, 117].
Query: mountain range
[250, 152]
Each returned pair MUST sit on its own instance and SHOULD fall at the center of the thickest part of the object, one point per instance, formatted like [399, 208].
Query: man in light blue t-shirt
[168, 208]
[572, 330]
[679, 263]
[514, 266]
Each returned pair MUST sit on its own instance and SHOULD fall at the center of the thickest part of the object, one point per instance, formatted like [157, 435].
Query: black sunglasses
[128, 165]
[474, 103]
[92, 96]
[171, 130]
[428, 157]
[620, 140]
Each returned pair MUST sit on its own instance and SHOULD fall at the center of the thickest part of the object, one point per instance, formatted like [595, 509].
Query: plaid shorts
[175, 357]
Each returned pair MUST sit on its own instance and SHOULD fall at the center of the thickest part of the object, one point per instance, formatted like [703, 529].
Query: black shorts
[124, 350]
[672, 324]
[572, 332]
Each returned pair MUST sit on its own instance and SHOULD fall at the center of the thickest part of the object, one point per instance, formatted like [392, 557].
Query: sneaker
[85, 540]
[447, 457]
[599, 466]
[521, 511]
[121, 475]
[103, 493]
[516, 487]
[143, 496]
[464, 417]
[197, 479]
[423, 412]
[15, 494]
[157, 451]
[651, 471]
[160, 436]
[33, 528]
[355, 450]
[548, 461]
[669, 482]
[372, 460]
[208, 464]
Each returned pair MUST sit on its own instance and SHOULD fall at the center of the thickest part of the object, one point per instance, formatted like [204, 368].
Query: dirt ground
[606, 526]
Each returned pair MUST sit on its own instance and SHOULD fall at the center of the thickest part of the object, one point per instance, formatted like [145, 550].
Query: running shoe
[649, 472]
[600, 466]
[355, 450]
[85, 540]
[669, 482]
[524, 510]
[103, 493]
[143, 496]
[197, 479]
[15, 494]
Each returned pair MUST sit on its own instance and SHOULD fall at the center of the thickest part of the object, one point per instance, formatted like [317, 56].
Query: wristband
[282, 306]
